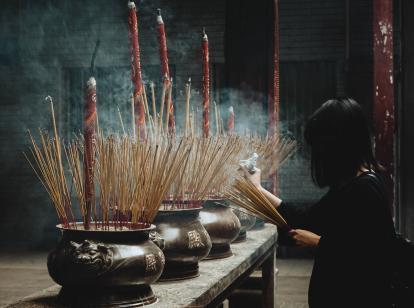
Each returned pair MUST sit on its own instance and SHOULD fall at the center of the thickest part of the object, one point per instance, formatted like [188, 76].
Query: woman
[351, 227]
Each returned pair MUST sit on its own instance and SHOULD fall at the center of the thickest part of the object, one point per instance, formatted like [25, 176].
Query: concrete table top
[215, 276]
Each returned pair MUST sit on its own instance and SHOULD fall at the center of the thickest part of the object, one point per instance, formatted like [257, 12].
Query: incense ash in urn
[186, 241]
[222, 225]
[106, 267]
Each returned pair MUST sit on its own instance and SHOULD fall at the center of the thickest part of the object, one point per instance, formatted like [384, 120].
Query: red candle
[230, 123]
[206, 84]
[136, 75]
[89, 123]
[165, 71]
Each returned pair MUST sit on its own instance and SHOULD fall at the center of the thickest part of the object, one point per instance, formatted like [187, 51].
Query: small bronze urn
[246, 222]
[106, 268]
[222, 225]
[186, 241]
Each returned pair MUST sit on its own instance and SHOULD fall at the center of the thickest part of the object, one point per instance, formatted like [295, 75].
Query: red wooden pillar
[383, 96]
[274, 101]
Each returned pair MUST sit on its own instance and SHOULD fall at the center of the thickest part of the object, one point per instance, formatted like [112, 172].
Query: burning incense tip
[48, 99]
[91, 83]
[159, 17]
[189, 80]
[131, 5]
[205, 38]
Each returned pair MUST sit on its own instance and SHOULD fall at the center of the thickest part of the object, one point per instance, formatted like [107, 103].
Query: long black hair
[340, 139]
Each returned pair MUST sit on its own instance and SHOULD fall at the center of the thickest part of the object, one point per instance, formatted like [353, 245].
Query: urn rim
[80, 228]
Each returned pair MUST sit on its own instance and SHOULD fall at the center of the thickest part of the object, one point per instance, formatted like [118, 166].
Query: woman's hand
[305, 238]
[255, 177]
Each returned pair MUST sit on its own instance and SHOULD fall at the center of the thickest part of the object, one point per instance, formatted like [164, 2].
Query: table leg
[269, 281]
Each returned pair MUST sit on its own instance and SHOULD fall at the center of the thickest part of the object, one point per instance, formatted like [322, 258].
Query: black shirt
[353, 259]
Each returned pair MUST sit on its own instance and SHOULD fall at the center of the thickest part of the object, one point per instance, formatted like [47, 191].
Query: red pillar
[383, 96]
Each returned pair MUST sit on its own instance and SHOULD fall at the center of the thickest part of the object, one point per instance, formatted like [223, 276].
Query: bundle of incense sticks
[205, 171]
[132, 178]
[46, 160]
[246, 195]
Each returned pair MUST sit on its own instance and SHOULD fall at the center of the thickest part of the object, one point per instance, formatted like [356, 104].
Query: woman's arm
[272, 198]
[255, 178]
[296, 216]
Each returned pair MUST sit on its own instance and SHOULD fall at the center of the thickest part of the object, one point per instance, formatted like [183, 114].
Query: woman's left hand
[305, 238]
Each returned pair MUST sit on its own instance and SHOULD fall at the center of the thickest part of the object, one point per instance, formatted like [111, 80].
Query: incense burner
[186, 242]
[110, 268]
[246, 222]
[222, 225]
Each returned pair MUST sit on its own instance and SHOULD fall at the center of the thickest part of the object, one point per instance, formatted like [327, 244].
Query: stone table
[218, 278]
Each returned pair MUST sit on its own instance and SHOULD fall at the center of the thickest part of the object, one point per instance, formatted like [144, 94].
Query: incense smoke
[46, 50]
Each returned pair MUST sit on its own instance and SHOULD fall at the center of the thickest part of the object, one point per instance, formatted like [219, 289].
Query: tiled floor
[22, 274]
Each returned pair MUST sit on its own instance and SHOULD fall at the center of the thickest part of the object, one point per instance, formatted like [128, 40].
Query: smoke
[48, 47]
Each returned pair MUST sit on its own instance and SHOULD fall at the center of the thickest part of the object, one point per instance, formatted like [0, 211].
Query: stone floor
[292, 282]
[22, 274]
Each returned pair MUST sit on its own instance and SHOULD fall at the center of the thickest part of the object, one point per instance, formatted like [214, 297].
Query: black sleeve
[297, 216]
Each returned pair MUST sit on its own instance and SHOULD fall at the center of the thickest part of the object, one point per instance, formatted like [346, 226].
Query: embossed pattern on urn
[108, 268]
[222, 225]
[186, 242]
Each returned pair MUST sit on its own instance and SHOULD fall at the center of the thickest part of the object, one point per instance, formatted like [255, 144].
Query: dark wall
[46, 47]
[312, 45]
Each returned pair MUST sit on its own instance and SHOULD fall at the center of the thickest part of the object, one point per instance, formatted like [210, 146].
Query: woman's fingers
[304, 237]
[245, 171]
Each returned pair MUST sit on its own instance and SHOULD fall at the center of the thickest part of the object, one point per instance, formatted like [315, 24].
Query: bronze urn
[186, 241]
[222, 225]
[107, 268]
[247, 221]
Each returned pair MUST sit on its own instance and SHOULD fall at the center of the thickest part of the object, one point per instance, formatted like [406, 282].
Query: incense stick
[246, 195]
[122, 122]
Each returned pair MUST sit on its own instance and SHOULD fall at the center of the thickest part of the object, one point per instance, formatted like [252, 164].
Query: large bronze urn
[222, 225]
[186, 241]
[107, 268]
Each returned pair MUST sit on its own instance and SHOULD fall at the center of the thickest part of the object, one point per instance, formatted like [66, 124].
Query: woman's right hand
[255, 177]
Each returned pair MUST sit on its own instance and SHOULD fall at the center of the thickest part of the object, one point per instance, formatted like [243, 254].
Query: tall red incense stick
[136, 76]
[89, 124]
[165, 71]
[206, 84]
[274, 102]
[230, 122]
